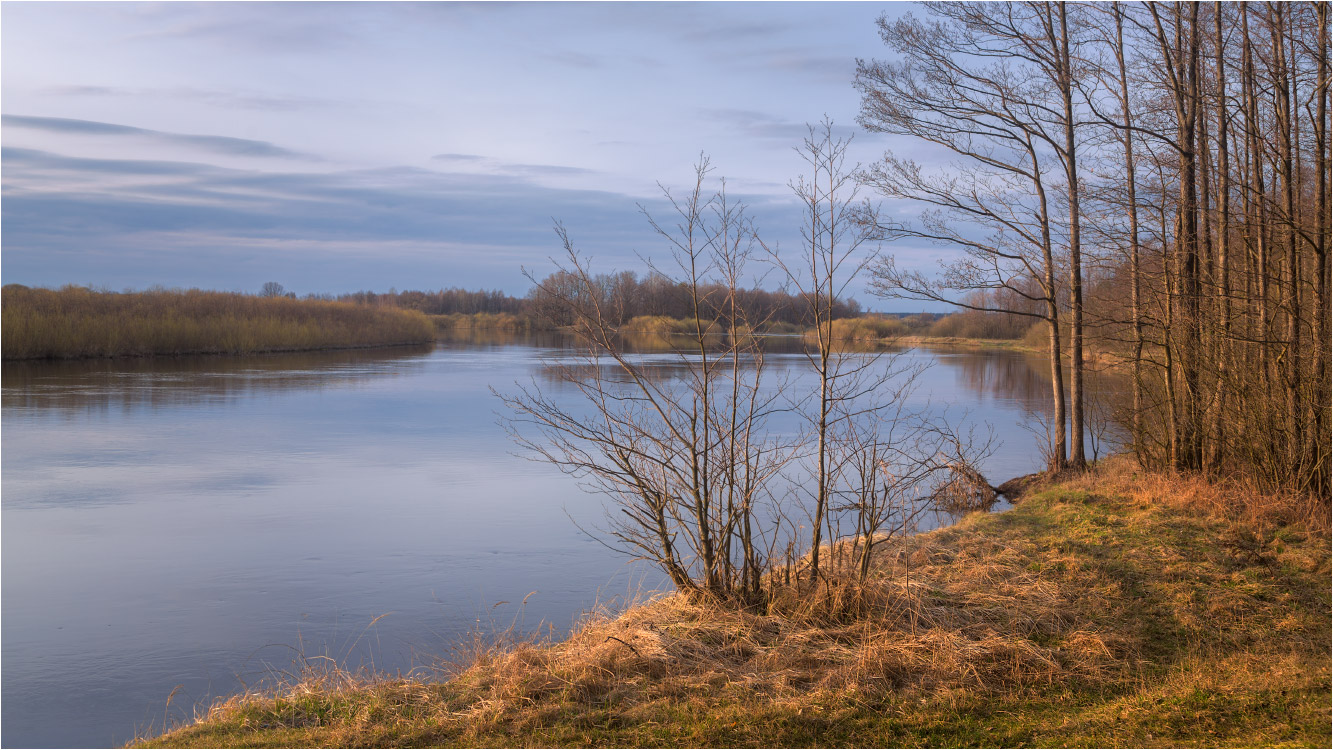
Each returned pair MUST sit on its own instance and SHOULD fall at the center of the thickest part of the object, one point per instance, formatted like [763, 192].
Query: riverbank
[78, 323]
[1115, 608]
[655, 325]
[862, 331]
[1015, 345]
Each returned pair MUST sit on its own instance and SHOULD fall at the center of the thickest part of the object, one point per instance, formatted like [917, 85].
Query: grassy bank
[74, 322]
[874, 331]
[1113, 609]
[861, 331]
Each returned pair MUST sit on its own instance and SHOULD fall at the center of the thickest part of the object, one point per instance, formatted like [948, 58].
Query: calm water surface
[197, 522]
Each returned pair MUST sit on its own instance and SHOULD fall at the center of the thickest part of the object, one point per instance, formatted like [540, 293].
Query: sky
[335, 147]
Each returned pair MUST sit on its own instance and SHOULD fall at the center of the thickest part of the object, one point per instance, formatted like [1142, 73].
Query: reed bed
[501, 322]
[1131, 617]
[75, 322]
[660, 325]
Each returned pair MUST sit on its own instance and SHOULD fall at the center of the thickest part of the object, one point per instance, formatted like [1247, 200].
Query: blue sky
[342, 146]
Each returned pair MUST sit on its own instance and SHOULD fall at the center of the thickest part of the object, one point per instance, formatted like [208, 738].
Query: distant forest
[625, 295]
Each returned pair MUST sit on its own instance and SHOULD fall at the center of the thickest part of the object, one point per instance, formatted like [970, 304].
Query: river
[193, 524]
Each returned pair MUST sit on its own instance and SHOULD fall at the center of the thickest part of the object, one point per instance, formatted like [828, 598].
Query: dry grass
[75, 322]
[1235, 499]
[1128, 615]
[848, 330]
[660, 325]
[502, 322]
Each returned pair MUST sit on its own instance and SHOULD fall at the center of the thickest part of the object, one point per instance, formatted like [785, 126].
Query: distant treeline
[622, 296]
[442, 302]
[625, 297]
[75, 322]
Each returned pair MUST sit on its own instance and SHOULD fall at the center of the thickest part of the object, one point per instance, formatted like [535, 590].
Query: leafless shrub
[699, 483]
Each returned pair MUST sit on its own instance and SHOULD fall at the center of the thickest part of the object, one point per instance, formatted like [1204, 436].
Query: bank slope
[1113, 610]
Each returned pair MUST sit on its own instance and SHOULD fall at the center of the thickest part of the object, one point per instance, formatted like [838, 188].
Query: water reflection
[1022, 378]
[164, 518]
[165, 382]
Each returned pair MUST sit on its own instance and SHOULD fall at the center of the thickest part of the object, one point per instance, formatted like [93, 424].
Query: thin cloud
[156, 203]
[267, 33]
[220, 144]
[216, 97]
[547, 169]
[21, 161]
[495, 165]
[732, 32]
[468, 158]
[198, 224]
[757, 124]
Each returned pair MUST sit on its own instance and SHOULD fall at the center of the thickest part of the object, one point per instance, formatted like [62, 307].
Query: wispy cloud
[271, 30]
[502, 167]
[216, 143]
[755, 124]
[735, 31]
[21, 162]
[459, 158]
[546, 169]
[354, 224]
[216, 97]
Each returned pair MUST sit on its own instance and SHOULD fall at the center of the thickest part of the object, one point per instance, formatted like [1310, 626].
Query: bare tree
[683, 454]
[962, 86]
[698, 483]
[831, 256]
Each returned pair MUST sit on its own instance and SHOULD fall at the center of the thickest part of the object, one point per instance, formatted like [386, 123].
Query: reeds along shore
[75, 322]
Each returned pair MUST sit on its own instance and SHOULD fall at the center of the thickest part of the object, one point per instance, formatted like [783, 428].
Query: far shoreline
[206, 353]
[78, 323]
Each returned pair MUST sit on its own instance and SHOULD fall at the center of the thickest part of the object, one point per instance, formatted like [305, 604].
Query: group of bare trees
[726, 474]
[443, 301]
[623, 295]
[1168, 159]
[626, 295]
[1154, 176]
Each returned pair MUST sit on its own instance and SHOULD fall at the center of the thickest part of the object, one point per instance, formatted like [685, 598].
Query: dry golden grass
[1232, 498]
[663, 326]
[75, 322]
[848, 330]
[502, 322]
[1128, 614]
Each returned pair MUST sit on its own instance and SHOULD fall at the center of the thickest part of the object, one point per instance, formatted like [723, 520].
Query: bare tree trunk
[1182, 66]
[1066, 85]
[1256, 191]
[1291, 272]
[1135, 263]
[1321, 307]
[1223, 232]
[1059, 441]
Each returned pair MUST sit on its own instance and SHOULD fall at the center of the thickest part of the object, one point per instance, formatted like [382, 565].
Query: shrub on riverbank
[75, 322]
[658, 325]
[973, 324]
[864, 329]
[502, 322]
[1113, 609]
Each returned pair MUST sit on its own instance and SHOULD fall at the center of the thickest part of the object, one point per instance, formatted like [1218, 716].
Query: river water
[193, 524]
